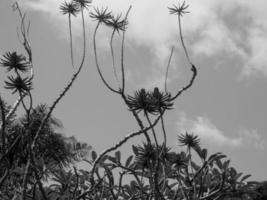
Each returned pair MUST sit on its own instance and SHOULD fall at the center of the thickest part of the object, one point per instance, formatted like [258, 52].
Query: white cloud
[236, 28]
[257, 62]
[252, 138]
[209, 133]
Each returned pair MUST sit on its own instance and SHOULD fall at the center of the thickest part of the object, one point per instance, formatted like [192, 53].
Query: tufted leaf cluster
[150, 102]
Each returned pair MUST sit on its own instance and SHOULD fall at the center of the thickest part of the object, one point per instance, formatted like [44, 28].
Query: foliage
[38, 163]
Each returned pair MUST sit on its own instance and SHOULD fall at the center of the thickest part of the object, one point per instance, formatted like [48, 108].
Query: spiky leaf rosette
[18, 84]
[83, 3]
[161, 100]
[14, 61]
[179, 10]
[145, 155]
[70, 8]
[102, 16]
[117, 23]
[141, 101]
[150, 102]
[189, 140]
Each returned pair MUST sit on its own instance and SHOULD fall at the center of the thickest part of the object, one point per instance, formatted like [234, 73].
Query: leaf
[135, 150]
[118, 156]
[216, 156]
[112, 159]
[226, 164]
[94, 155]
[128, 161]
[245, 177]
[198, 150]
[237, 176]
[103, 159]
[213, 156]
[233, 172]
[195, 166]
[204, 153]
[219, 164]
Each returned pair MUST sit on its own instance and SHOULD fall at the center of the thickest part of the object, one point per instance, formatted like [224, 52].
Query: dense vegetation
[37, 162]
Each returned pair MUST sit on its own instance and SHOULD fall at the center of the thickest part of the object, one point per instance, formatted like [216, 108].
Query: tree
[32, 152]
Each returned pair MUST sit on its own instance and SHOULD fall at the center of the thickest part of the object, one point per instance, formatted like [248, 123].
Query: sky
[226, 40]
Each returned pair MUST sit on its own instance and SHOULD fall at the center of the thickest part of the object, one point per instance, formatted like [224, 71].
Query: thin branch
[153, 130]
[122, 52]
[112, 55]
[139, 121]
[97, 64]
[3, 126]
[120, 184]
[71, 46]
[3, 178]
[182, 40]
[163, 129]
[167, 70]
[194, 70]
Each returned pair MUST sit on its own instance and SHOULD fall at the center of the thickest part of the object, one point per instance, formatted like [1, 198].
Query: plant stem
[112, 55]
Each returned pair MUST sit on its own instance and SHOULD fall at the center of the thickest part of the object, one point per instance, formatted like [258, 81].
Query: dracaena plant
[38, 163]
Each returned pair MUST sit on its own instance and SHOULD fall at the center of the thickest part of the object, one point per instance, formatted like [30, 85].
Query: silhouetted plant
[69, 8]
[13, 61]
[37, 163]
[18, 84]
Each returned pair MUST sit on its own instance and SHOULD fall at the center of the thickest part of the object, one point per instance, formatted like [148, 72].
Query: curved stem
[112, 55]
[137, 119]
[163, 129]
[182, 40]
[3, 125]
[141, 126]
[122, 51]
[167, 70]
[23, 104]
[193, 68]
[97, 64]
[3, 178]
[71, 46]
[153, 130]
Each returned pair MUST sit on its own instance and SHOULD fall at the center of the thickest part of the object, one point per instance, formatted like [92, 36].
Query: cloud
[235, 28]
[210, 134]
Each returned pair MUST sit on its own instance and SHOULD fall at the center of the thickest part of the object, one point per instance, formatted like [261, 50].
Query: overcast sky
[227, 42]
